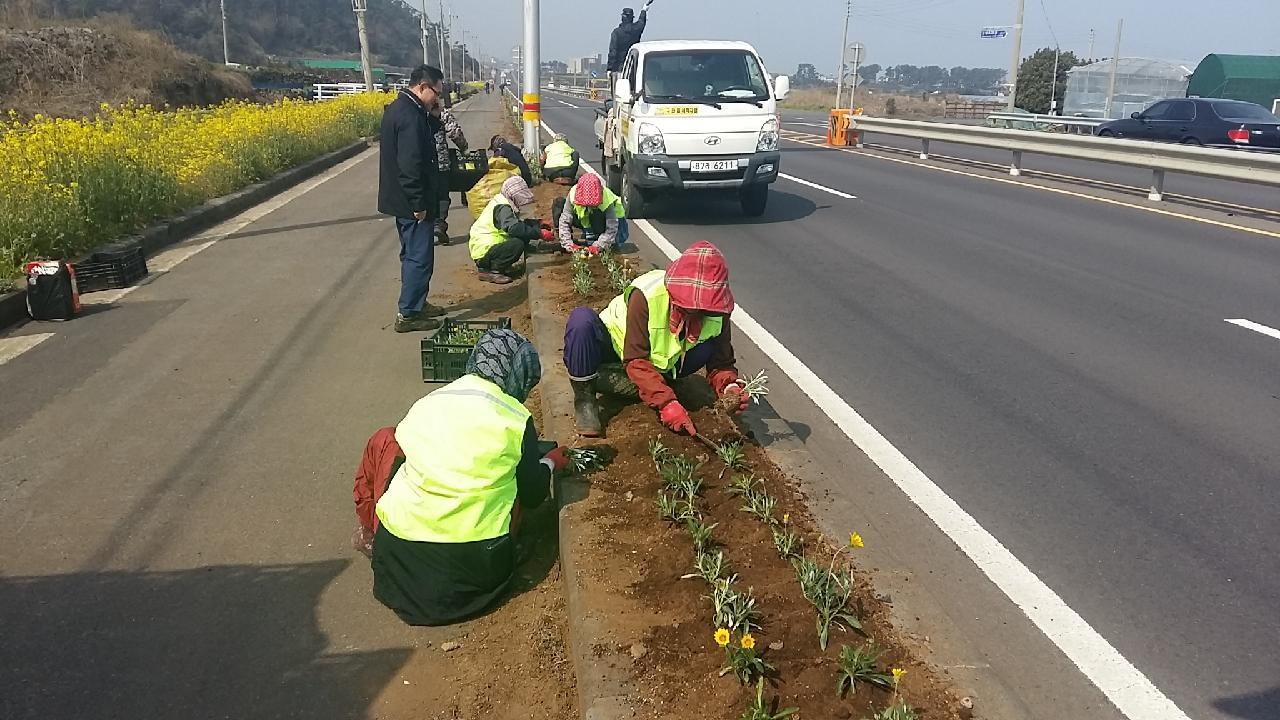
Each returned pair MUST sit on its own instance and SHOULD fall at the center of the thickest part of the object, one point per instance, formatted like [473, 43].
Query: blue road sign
[993, 33]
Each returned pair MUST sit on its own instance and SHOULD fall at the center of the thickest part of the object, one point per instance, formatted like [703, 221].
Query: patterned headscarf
[506, 359]
[559, 137]
[517, 191]
[588, 191]
[697, 281]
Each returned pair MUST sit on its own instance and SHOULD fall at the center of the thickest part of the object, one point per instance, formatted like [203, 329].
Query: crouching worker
[499, 238]
[560, 161]
[382, 459]
[444, 549]
[594, 211]
[665, 325]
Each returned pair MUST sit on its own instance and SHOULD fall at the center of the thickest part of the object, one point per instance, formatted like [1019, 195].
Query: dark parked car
[1200, 121]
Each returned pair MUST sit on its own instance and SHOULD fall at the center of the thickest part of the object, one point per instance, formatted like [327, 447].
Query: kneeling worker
[596, 211]
[499, 238]
[444, 548]
[665, 325]
[560, 160]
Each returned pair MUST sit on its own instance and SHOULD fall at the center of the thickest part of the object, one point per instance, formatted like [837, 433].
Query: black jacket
[408, 173]
[513, 154]
[623, 37]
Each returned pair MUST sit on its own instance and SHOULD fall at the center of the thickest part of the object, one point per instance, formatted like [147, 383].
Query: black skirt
[429, 583]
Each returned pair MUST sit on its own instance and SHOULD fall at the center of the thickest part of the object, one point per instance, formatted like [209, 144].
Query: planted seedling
[733, 609]
[583, 281]
[759, 709]
[733, 457]
[700, 532]
[674, 509]
[858, 664]
[677, 470]
[787, 541]
[584, 459]
[899, 710]
[760, 504]
[829, 593]
[743, 485]
[756, 387]
[741, 658]
[658, 452]
[710, 566]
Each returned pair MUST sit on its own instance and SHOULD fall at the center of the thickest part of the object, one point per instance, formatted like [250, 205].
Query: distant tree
[806, 74]
[1035, 78]
[933, 77]
[869, 73]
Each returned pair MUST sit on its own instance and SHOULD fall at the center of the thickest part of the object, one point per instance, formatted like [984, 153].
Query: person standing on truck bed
[624, 36]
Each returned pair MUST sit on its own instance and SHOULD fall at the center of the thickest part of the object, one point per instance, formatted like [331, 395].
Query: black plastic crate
[112, 267]
[466, 169]
[445, 354]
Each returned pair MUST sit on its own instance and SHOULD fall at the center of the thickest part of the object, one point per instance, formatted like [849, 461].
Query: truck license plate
[713, 165]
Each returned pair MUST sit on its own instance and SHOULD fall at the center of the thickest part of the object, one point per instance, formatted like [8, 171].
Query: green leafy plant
[761, 504]
[700, 532]
[743, 484]
[741, 657]
[899, 710]
[787, 541]
[689, 487]
[658, 452]
[677, 470]
[710, 566]
[733, 609]
[760, 710]
[584, 459]
[733, 457]
[583, 281]
[829, 593]
[674, 510]
[858, 664]
[618, 273]
[756, 387]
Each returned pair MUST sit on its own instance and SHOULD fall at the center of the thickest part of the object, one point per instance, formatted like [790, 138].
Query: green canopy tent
[1252, 78]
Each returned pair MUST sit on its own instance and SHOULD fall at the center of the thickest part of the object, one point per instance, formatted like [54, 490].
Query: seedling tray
[446, 351]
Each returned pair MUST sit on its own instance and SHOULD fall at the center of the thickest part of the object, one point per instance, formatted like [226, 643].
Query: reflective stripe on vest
[485, 234]
[665, 349]
[462, 444]
[607, 199]
[559, 155]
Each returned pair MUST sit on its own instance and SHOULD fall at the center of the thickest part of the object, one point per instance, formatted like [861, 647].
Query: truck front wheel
[633, 198]
[754, 198]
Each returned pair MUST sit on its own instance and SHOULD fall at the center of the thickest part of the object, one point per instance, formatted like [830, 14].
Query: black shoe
[586, 410]
[432, 311]
[417, 323]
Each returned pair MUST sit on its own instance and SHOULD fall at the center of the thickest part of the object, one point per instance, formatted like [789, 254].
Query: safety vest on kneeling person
[607, 199]
[665, 349]
[559, 155]
[462, 444]
[485, 234]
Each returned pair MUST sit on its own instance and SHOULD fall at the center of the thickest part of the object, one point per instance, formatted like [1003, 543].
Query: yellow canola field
[69, 185]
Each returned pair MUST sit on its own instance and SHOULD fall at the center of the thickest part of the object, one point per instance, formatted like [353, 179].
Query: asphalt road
[1062, 369]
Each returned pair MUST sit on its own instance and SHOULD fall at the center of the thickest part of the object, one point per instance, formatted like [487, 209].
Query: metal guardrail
[329, 91]
[1047, 123]
[1160, 158]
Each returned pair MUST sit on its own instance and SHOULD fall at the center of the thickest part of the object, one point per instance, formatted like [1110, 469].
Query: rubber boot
[586, 411]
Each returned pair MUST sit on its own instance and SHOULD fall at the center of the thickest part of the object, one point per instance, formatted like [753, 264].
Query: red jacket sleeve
[654, 390]
[374, 473]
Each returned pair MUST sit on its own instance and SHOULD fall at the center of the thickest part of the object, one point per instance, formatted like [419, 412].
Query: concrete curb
[13, 305]
[602, 686]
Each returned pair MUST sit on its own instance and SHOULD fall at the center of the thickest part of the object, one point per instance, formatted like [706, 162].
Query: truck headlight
[650, 140]
[768, 141]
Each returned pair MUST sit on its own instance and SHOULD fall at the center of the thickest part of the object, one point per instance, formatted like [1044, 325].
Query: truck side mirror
[781, 87]
[622, 90]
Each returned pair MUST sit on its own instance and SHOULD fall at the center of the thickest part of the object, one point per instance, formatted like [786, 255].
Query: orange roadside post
[838, 128]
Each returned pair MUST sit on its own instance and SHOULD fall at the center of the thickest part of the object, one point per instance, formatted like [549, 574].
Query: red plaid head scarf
[588, 192]
[698, 282]
[515, 190]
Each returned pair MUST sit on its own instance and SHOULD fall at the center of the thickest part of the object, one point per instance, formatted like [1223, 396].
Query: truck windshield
[704, 75]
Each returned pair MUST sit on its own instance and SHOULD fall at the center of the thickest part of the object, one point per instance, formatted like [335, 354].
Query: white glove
[646, 5]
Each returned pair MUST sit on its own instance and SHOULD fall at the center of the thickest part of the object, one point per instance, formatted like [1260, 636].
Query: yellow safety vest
[607, 199]
[462, 444]
[665, 349]
[559, 155]
[485, 235]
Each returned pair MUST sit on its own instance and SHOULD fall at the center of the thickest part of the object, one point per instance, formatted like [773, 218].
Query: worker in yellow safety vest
[666, 324]
[444, 550]
[560, 160]
[499, 237]
[594, 210]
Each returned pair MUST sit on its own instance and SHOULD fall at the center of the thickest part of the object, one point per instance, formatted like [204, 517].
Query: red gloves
[547, 235]
[675, 417]
[558, 459]
[593, 249]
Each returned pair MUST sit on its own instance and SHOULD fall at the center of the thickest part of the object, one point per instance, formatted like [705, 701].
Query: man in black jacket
[625, 35]
[408, 182]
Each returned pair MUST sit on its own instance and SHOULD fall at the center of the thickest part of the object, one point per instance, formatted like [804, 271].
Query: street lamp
[360, 7]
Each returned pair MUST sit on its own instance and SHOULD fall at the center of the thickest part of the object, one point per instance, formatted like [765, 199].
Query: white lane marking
[1256, 327]
[1124, 685]
[12, 347]
[816, 186]
[169, 258]
[806, 124]
[575, 107]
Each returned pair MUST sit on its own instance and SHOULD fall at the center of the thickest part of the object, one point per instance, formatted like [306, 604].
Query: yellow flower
[722, 637]
[748, 642]
[855, 540]
[897, 675]
[786, 518]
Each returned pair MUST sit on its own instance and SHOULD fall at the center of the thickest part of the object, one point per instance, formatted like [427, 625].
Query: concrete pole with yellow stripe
[532, 99]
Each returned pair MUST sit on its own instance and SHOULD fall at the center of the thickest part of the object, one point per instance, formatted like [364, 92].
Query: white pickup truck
[691, 115]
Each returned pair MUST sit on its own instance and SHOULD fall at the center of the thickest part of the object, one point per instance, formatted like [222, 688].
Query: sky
[917, 32]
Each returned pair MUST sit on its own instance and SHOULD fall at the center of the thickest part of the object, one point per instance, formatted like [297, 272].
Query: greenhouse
[1139, 82]
[1252, 78]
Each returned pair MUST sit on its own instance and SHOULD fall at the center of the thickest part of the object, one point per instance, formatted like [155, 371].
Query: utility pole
[426, 60]
[859, 50]
[1017, 56]
[360, 7]
[532, 57]
[1053, 82]
[844, 48]
[1092, 35]
[440, 36]
[226, 55]
[1115, 69]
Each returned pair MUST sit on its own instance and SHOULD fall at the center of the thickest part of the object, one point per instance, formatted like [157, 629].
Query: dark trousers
[570, 172]
[417, 262]
[503, 256]
[587, 346]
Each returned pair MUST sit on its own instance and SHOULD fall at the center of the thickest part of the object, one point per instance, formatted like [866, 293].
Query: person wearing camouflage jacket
[446, 127]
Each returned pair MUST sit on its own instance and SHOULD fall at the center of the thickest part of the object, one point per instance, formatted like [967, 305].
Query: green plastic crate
[444, 356]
